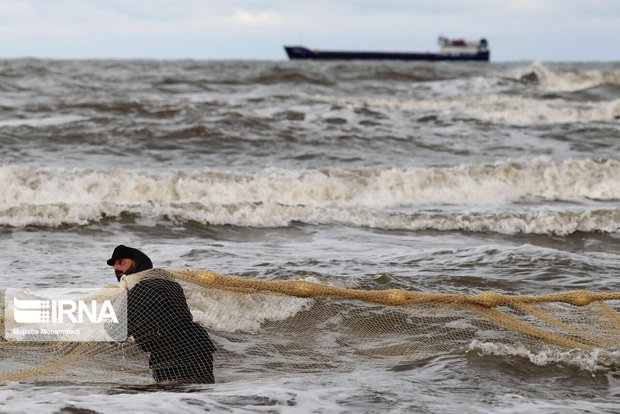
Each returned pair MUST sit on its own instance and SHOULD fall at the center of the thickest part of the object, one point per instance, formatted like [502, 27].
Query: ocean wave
[527, 111]
[595, 360]
[278, 215]
[494, 108]
[484, 184]
[480, 197]
[557, 80]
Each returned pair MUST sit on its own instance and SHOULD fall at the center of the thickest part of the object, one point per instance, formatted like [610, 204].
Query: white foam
[253, 393]
[229, 312]
[42, 122]
[514, 403]
[595, 360]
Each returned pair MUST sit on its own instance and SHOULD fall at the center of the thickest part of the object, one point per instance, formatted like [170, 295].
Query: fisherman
[161, 323]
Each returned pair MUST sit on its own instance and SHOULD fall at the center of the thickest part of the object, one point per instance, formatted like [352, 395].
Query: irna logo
[59, 314]
[63, 311]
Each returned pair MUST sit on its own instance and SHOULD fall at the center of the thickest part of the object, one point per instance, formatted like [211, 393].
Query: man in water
[161, 323]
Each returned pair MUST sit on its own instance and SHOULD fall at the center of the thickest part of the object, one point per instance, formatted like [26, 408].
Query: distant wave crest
[494, 108]
[569, 81]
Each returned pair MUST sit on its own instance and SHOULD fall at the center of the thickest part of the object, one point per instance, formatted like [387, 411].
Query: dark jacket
[161, 323]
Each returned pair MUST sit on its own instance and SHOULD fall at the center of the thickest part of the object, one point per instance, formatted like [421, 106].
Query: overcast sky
[545, 30]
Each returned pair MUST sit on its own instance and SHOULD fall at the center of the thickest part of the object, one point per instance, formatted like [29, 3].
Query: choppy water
[432, 177]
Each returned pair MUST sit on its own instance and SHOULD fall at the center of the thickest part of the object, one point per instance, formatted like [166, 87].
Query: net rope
[198, 326]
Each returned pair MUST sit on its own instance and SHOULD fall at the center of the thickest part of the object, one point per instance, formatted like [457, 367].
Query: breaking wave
[501, 197]
[278, 215]
[569, 80]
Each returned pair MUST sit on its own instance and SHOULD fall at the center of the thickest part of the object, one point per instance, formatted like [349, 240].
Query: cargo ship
[450, 49]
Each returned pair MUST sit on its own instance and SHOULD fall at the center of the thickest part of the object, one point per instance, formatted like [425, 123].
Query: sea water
[431, 177]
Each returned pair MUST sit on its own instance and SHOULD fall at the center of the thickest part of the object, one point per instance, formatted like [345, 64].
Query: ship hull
[298, 52]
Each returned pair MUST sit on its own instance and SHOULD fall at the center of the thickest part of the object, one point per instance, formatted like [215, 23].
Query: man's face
[124, 267]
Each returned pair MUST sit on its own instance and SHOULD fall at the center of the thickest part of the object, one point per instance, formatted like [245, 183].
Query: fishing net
[186, 326]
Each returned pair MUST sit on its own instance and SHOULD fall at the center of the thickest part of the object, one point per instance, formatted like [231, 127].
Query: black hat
[121, 252]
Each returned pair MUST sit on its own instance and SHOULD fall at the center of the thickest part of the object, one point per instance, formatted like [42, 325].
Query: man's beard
[120, 273]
